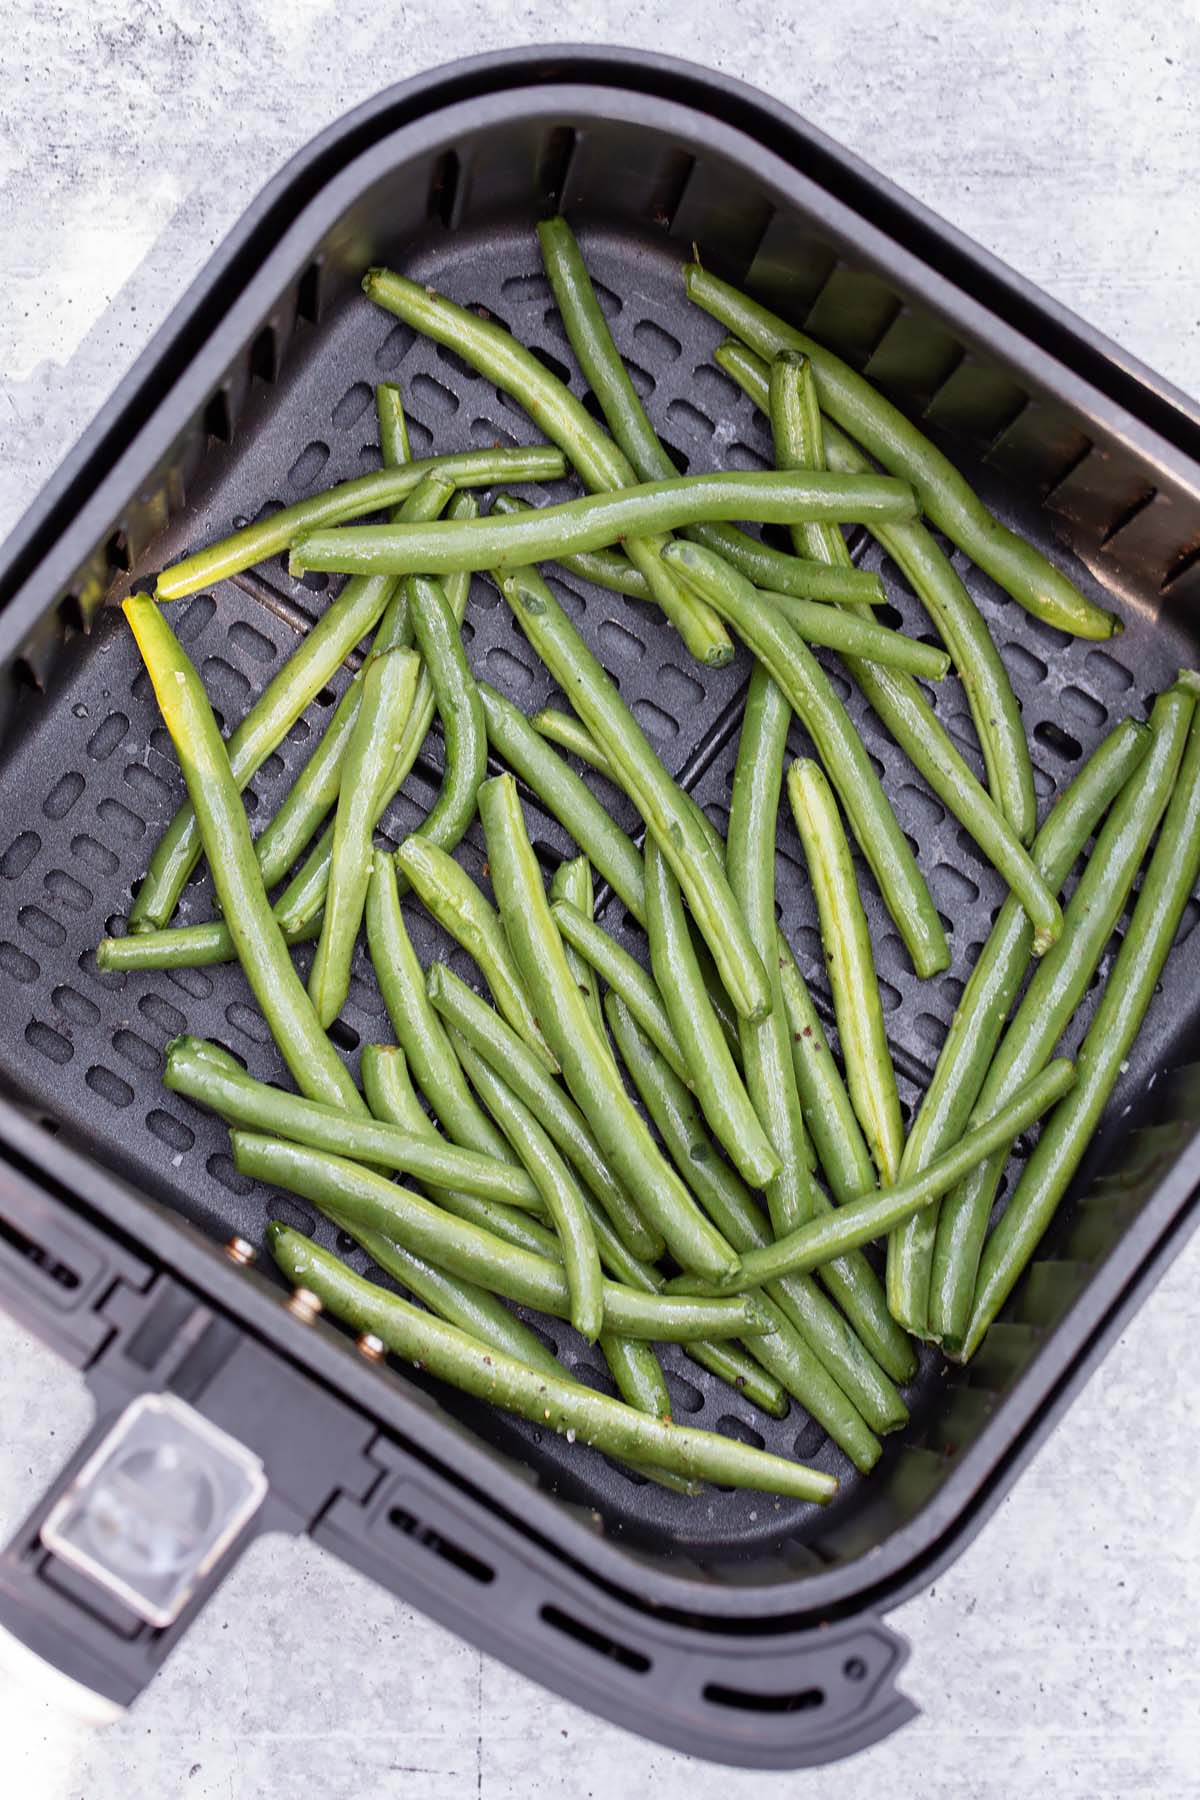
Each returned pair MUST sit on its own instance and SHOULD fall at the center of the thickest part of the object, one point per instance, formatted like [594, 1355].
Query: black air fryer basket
[735, 1627]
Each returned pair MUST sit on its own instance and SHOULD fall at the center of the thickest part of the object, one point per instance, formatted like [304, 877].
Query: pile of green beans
[498, 1153]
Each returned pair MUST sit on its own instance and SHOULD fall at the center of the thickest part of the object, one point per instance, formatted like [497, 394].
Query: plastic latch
[157, 1504]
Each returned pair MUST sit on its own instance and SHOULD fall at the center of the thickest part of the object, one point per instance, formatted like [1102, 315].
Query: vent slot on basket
[746, 1700]
[599, 1641]
[430, 1539]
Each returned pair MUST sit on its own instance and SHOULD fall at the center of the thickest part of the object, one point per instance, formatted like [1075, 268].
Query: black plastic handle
[777, 1700]
[781, 1700]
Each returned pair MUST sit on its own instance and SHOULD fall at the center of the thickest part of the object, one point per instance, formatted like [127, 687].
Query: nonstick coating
[90, 780]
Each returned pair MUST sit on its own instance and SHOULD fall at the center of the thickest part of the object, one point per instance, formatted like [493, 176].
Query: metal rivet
[304, 1305]
[239, 1251]
[372, 1347]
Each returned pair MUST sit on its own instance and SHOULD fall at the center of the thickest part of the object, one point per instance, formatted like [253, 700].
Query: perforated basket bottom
[91, 780]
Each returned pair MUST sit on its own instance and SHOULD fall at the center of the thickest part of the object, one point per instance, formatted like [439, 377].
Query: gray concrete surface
[1060, 1653]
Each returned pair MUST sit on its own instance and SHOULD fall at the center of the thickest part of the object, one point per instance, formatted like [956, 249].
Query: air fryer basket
[265, 393]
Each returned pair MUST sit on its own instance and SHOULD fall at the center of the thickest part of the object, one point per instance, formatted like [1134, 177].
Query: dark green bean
[668, 812]
[606, 375]
[852, 978]
[365, 1197]
[418, 1028]
[633, 515]
[570, 734]
[986, 1003]
[897, 698]
[561, 1195]
[183, 947]
[637, 1373]
[1170, 878]
[750, 860]
[495, 1040]
[812, 1352]
[571, 885]
[884, 431]
[859, 1221]
[611, 851]
[355, 612]
[459, 709]
[589, 1075]
[449, 894]
[564, 419]
[765, 567]
[1057, 988]
[314, 1063]
[743, 1374]
[351, 500]
[807, 689]
[393, 1099]
[460, 1303]
[626, 976]
[713, 1075]
[935, 581]
[386, 702]
[850, 635]
[241, 1100]
[560, 1403]
[836, 1133]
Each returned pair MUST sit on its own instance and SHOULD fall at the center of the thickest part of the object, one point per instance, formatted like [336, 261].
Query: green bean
[868, 1217]
[750, 859]
[314, 1063]
[625, 976]
[418, 1028]
[460, 1303]
[1057, 988]
[495, 1040]
[568, 798]
[589, 1075]
[743, 1374]
[853, 636]
[918, 556]
[633, 515]
[449, 894]
[667, 811]
[638, 1377]
[350, 500]
[561, 1196]
[241, 1100]
[812, 1351]
[355, 612]
[986, 1003]
[568, 733]
[386, 702]
[852, 978]
[898, 700]
[884, 431]
[452, 810]
[393, 1100]
[571, 884]
[365, 1197]
[637, 1374]
[765, 567]
[598, 357]
[495, 353]
[836, 1133]
[1170, 878]
[182, 947]
[459, 709]
[491, 1375]
[313, 793]
[808, 691]
[713, 1076]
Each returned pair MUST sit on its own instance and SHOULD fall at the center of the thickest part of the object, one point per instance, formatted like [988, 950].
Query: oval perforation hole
[747, 1700]
[1052, 735]
[598, 1641]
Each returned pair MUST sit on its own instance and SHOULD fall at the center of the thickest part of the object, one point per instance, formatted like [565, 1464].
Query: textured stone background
[1060, 1652]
